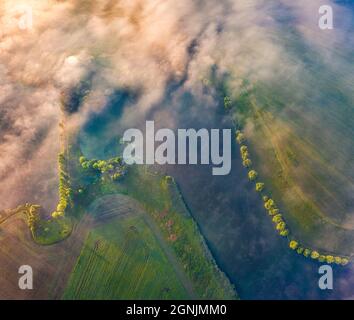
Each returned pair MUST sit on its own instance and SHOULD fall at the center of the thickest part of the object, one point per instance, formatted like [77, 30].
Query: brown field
[51, 264]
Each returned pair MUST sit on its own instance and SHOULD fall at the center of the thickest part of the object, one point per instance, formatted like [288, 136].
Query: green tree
[252, 175]
[300, 250]
[315, 255]
[344, 261]
[284, 233]
[116, 176]
[277, 218]
[281, 226]
[293, 244]
[227, 102]
[243, 149]
[307, 252]
[259, 186]
[269, 204]
[240, 137]
[247, 163]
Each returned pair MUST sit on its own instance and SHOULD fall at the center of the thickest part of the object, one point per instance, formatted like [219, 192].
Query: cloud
[127, 44]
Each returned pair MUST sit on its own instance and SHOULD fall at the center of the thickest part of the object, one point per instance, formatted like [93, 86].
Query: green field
[123, 260]
[162, 200]
[300, 138]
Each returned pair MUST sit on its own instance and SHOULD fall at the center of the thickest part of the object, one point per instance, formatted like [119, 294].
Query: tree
[284, 233]
[61, 206]
[169, 179]
[300, 250]
[315, 255]
[293, 244]
[259, 186]
[307, 252]
[240, 137]
[277, 218]
[281, 226]
[116, 176]
[243, 149]
[329, 259]
[270, 204]
[227, 102]
[245, 155]
[252, 175]
[247, 163]
[57, 214]
[344, 261]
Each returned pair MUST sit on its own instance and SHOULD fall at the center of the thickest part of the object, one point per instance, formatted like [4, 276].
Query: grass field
[123, 260]
[162, 200]
[300, 139]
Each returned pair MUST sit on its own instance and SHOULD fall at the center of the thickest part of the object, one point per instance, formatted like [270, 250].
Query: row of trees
[274, 212]
[114, 168]
[269, 203]
[33, 216]
[315, 255]
[65, 191]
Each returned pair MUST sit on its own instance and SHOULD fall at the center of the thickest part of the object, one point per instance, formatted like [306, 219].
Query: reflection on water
[229, 212]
